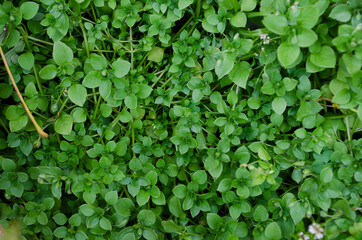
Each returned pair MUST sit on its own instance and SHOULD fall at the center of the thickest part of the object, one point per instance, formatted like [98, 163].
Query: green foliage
[185, 119]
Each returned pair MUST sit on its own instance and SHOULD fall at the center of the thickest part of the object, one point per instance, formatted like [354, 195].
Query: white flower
[316, 230]
[264, 36]
[318, 236]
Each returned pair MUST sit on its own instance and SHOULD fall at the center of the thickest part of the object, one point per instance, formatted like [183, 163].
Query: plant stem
[4, 126]
[85, 38]
[37, 127]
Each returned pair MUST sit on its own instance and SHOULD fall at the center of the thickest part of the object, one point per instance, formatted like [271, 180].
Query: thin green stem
[97, 107]
[85, 38]
[4, 126]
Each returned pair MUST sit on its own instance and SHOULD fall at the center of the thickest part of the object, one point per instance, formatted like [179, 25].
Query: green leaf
[131, 101]
[60, 232]
[48, 72]
[111, 197]
[156, 54]
[29, 9]
[325, 58]
[42, 218]
[62, 54]
[144, 91]
[7, 164]
[288, 54]
[263, 154]
[308, 16]
[87, 210]
[124, 206]
[240, 74]
[200, 176]
[105, 224]
[5, 90]
[182, 4]
[297, 212]
[121, 68]
[248, 5]
[326, 175]
[180, 191]
[64, 124]
[19, 123]
[276, 23]
[98, 62]
[342, 97]
[341, 12]
[60, 219]
[214, 221]
[147, 217]
[92, 80]
[238, 20]
[235, 211]
[125, 116]
[77, 94]
[306, 37]
[279, 105]
[171, 227]
[260, 214]
[273, 231]
[224, 65]
[26, 61]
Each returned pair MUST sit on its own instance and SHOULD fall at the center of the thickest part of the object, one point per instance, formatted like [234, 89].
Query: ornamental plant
[185, 119]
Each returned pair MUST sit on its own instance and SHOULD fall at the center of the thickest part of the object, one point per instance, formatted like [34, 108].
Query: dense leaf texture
[187, 119]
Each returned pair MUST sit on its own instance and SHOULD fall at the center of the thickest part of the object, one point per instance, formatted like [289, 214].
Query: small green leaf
[105, 224]
[260, 214]
[273, 231]
[297, 212]
[240, 74]
[7, 164]
[224, 65]
[288, 54]
[147, 217]
[182, 4]
[325, 58]
[248, 5]
[121, 68]
[279, 105]
[42, 218]
[29, 9]
[156, 54]
[171, 227]
[306, 37]
[131, 101]
[64, 124]
[214, 221]
[48, 72]
[19, 123]
[326, 175]
[60, 219]
[341, 12]
[26, 60]
[238, 20]
[111, 197]
[200, 176]
[62, 53]
[92, 80]
[342, 97]
[276, 24]
[77, 94]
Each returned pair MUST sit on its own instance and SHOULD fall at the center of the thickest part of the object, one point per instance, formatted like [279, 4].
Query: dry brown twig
[38, 128]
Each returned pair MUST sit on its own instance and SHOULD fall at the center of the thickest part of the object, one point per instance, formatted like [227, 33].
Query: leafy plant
[189, 119]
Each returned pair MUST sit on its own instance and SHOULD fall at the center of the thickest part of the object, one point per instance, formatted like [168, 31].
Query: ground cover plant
[185, 119]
